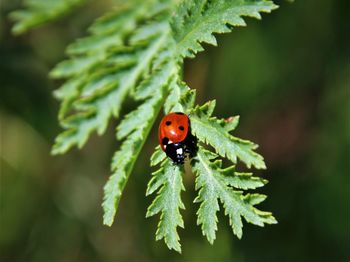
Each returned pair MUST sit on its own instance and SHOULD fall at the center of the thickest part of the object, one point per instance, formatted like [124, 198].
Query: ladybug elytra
[175, 137]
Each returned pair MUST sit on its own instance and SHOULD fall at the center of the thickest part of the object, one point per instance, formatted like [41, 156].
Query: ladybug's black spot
[179, 113]
[165, 141]
[181, 128]
[168, 123]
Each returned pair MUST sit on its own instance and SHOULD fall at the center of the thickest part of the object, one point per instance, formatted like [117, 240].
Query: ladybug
[175, 137]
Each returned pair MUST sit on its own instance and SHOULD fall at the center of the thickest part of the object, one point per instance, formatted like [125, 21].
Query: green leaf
[100, 97]
[137, 51]
[38, 12]
[214, 184]
[168, 202]
[135, 127]
[172, 104]
[212, 131]
[124, 159]
[180, 99]
[242, 180]
[198, 20]
[158, 156]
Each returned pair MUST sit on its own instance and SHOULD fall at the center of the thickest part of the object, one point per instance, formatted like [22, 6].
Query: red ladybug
[175, 137]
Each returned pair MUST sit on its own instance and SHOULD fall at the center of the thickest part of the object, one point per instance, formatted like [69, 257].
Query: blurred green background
[288, 76]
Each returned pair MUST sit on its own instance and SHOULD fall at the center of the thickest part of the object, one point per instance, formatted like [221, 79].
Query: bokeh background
[287, 76]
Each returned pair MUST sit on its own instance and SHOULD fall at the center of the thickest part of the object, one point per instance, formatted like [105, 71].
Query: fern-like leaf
[38, 12]
[124, 159]
[135, 127]
[158, 156]
[215, 132]
[168, 202]
[96, 94]
[214, 184]
[137, 50]
[198, 20]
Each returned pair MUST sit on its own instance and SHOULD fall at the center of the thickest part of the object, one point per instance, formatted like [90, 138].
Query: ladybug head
[176, 152]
